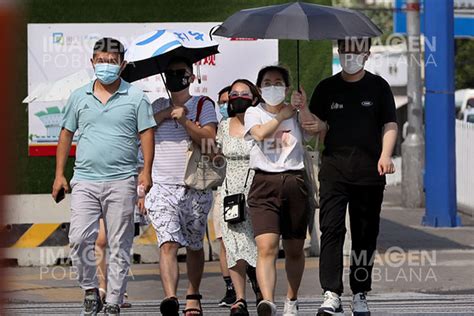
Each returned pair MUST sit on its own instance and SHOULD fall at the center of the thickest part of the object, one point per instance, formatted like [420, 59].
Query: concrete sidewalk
[411, 259]
[443, 256]
[402, 227]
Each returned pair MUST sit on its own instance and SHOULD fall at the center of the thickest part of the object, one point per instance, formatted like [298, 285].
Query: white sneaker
[331, 305]
[359, 305]
[266, 308]
[291, 307]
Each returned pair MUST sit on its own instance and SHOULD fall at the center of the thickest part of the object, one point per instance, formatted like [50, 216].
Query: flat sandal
[239, 308]
[192, 310]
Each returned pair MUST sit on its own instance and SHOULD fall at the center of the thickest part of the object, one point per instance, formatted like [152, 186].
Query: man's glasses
[176, 73]
[106, 61]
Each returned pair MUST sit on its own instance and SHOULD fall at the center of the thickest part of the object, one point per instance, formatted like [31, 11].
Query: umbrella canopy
[298, 21]
[59, 90]
[150, 53]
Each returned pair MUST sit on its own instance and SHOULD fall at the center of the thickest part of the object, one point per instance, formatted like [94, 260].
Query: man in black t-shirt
[358, 123]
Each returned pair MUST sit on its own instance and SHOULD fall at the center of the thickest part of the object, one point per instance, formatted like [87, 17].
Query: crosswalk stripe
[381, 304]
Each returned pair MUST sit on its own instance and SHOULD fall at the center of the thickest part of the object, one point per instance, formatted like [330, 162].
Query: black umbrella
[298, 21]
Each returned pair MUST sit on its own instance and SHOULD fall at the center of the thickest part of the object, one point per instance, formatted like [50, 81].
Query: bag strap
[200, 104]
[298, 122]
[245, 185]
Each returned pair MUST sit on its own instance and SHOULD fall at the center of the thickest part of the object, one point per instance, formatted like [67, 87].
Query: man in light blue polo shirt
[108, 114]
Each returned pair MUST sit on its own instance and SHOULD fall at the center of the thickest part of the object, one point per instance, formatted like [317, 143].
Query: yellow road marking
[148, 237]
[35, 235]
[210, 226]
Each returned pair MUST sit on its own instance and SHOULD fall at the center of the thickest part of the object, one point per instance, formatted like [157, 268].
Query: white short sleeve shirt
[283, 151]
[172, 141]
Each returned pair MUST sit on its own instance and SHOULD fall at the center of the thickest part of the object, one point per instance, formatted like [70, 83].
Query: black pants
[365, 203]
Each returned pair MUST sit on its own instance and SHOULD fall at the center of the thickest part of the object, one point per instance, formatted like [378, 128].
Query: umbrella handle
[169, 96]
[298, 65]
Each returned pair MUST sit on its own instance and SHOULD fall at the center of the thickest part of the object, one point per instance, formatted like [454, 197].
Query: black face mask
[238, 105]
[177, 83]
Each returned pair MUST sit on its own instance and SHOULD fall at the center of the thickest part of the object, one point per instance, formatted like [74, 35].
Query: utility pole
[441, 208]
[413, 148]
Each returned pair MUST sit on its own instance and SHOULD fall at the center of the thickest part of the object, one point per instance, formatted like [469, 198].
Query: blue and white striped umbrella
[150, 53]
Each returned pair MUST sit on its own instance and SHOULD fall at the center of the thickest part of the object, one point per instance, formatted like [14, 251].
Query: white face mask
[352, 63]
[273, 95]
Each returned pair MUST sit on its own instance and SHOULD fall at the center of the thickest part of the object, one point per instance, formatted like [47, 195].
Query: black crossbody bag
[234, 205]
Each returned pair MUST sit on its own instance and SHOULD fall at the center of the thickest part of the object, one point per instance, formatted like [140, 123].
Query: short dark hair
[359, 42]
[109, 45]
[282, 70]
[223, 90]
[181, 59]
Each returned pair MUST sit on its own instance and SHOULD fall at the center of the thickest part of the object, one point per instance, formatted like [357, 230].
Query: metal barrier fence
[465, 165]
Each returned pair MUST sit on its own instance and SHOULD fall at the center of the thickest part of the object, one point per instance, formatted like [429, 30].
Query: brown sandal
[194, 311]
[125, 304]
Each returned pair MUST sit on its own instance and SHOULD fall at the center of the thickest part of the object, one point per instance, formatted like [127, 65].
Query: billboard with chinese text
[58, 51]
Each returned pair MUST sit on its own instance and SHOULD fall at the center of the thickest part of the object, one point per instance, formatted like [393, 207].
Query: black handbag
[234, 205]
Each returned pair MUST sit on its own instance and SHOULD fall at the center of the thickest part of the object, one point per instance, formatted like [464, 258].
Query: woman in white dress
[238, 237]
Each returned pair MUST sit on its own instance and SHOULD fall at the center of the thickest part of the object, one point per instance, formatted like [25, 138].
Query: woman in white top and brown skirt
[278, 198]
